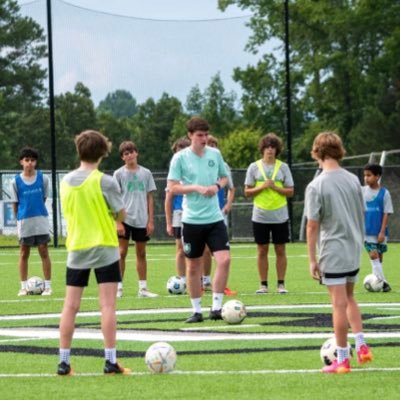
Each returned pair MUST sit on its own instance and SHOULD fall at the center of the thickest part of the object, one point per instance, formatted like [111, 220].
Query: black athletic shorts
[177, 232]
[196, 237]
[80, 277]
[136, 234]
[263, 232]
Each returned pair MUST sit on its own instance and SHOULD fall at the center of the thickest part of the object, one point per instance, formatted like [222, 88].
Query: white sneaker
[146, 293]
[263, 290]
[281, 289]
[119, 292]
[47, 292]
[22, 292]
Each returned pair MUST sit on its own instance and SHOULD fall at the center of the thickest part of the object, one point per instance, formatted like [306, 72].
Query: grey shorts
[35, 240]
[340, 278]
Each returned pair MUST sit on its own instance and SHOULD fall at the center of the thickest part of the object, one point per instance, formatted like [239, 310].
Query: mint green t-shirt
[190, 169]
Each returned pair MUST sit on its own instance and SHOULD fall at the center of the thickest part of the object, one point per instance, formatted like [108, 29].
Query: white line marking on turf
[152, 311]
[156, 336]
[240, 372]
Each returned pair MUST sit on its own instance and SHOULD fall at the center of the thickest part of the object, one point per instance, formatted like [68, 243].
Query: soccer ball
[35, 285]
[233, 312]
[328, 351]
[372, 283]
[160, 358]
[176, 285]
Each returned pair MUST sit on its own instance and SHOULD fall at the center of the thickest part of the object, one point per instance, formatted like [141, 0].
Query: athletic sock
[111, 355]
[359, 338]
[377, 269]
[196, 304]
[217, 301]
[342, 354]
[142, 285]
[65, 355]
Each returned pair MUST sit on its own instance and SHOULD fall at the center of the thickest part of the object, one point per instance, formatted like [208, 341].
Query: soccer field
[273, 354]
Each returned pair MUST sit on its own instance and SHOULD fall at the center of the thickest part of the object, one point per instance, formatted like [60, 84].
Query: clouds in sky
[157, 49]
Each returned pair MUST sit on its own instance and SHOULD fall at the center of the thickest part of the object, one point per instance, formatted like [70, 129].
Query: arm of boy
[381, 234]
[168, 211]
[150, 211]
[312, 238]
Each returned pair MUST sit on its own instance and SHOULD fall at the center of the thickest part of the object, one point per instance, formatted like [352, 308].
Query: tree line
[345, 74]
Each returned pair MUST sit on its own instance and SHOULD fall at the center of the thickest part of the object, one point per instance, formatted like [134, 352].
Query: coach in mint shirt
[197, 208]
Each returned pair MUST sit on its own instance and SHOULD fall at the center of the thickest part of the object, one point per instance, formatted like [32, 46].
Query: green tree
[74, 113]
[154, 123]
[194, 101]
[120, 103]
[343, 60]
[23, 46]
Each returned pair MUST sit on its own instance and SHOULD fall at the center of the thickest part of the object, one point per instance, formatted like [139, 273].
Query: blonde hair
[328, 145]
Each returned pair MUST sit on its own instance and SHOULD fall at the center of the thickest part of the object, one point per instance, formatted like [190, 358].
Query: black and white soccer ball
[35, 285]
[160, 358]
[176, 285]
[372, 283]
[233, 312]
[328, 352]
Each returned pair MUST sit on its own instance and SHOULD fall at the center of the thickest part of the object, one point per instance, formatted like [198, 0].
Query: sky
[144, 46]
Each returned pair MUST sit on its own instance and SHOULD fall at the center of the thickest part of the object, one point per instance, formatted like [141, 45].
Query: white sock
[23, 284]
[65, 355]
[342, 354]
[217, 301]
[120, 285]
[359, 338]
[377, 269]
[206, 279]
[196, 304]
[143, 284]
[47, 284]
[111, 355]
[183, 278]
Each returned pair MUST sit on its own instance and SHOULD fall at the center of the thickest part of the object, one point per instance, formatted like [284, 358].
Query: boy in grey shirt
[335, 212]
[137, 186]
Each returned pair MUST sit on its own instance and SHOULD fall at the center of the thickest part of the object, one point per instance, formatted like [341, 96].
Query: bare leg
[46, 263]
[207, 261]
[281, 261]
[23, 262]
[180, 258]
[194, 272]
[223, 260]
[123, 252]
[339, 301]
[107, 300]
[141, 261]
[262, 261]
[71, 307]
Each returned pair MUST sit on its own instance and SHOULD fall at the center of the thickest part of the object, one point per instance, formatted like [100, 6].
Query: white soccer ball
[372, 283]
[233, 312]
[328, 351]
[160, 358]
[35, 285]
[176, 285]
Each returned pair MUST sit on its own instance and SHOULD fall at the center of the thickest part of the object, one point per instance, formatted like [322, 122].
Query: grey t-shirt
[335, 200]
[35, 225]
[369, 194]
[284, 175]
[96, 257]
[134, 186]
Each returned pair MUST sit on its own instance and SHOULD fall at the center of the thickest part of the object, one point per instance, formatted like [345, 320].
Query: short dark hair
[127, 145]
[28, 152]
[91, 145]
[197, 124]
[375, 169]
[271, 139]
[180, 144]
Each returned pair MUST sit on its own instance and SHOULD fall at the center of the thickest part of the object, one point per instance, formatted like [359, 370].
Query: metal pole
[288, 106]
[52, 124]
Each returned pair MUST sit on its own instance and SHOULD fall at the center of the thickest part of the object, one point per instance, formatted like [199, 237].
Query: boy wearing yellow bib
[269, 182]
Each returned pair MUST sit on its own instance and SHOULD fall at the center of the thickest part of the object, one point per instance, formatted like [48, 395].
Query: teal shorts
[378, 247]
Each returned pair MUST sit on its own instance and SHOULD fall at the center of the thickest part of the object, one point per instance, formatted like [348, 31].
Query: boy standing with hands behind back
[29, 193]
[378, 207]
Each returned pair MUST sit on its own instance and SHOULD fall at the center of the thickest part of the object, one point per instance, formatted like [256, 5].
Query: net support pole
[288, 106]
[52, 123]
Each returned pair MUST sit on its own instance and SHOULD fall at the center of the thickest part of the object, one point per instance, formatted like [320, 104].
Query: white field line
[177, 372]
[157, 336]
[189, 310]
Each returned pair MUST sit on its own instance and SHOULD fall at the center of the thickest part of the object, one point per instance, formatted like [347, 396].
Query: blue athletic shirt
[374, 211]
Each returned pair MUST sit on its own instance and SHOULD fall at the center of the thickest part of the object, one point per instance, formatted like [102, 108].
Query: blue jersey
[374, 211]
[31, 198]
[177, 202]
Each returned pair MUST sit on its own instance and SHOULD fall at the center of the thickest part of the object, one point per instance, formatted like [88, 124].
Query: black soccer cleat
[386, 287]
[111, 369]
[215, 315]
[64, 369]
[195, 318]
